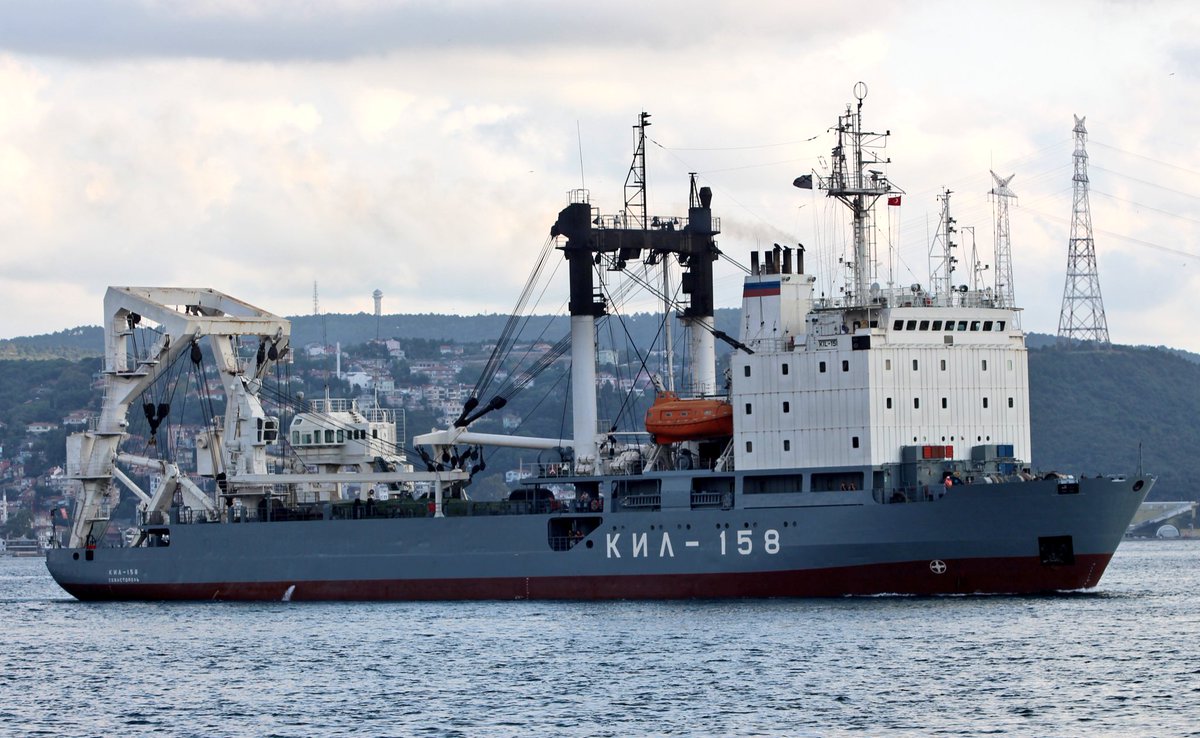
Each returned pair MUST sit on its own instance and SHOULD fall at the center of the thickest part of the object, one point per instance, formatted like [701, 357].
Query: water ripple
[1112, 662]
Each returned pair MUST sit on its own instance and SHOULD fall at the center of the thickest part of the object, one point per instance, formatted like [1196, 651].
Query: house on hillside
[393, 348]
[76, 419]
[38, 428]
[359, 379]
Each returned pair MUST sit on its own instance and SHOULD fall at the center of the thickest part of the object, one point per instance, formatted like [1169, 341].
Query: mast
[636, 212]
[697, 255]
[858, 189]
[585, 305]
[941, 257]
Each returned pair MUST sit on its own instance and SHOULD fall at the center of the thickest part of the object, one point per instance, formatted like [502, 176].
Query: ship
[873, 442]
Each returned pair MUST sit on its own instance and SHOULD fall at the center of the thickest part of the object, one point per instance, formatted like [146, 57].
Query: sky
[425, 148]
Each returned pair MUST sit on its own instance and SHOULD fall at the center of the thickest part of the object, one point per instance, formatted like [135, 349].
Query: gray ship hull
[1018, 537]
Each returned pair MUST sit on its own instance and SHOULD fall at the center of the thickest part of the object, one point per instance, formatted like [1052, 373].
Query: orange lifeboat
[671, 419]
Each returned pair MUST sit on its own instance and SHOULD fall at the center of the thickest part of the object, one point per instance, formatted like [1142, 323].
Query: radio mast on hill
[1004, 275]
[1082, 317]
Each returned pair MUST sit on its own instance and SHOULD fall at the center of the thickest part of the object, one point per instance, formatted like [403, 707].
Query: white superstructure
[852, 386]
[854, 389]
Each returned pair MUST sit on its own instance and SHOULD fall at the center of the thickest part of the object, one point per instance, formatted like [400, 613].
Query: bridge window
[898, 325]
[912, 325]
[937, 325]
[307, 439]
[974, 325]
[987, 325]
[949, 325]
[341, 436]
[924, 325]
[962, 325]
[295, 438]
[328, 436]
[999, 325]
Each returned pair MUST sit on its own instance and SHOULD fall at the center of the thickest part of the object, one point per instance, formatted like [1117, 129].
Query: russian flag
[760, 289]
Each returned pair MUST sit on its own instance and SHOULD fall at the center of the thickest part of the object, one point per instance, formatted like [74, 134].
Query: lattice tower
[1082, 317]
[1001, 197]
[635, 181]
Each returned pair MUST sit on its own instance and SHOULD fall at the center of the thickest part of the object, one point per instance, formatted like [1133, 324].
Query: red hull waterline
[974, 576]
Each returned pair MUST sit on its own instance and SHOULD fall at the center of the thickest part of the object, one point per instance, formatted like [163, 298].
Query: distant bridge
[1153, 515]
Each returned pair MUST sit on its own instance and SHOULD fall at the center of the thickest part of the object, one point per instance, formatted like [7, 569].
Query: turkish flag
[895, 200]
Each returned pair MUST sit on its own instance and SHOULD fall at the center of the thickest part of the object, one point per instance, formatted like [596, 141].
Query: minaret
[1082, 317]
[378, 295]
[1001, 195]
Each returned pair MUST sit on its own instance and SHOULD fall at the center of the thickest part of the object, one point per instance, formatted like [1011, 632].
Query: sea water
[1121, 660]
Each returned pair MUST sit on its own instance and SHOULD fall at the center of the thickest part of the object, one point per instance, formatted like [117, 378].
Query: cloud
[344, 29]
[425, 149]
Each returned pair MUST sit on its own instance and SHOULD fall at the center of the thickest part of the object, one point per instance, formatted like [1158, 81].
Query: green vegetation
[1090, 409]
[40, 391]
[75, 343]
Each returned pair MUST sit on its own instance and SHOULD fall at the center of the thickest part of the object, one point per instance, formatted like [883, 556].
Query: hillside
[359, 328]
[1090, 409]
